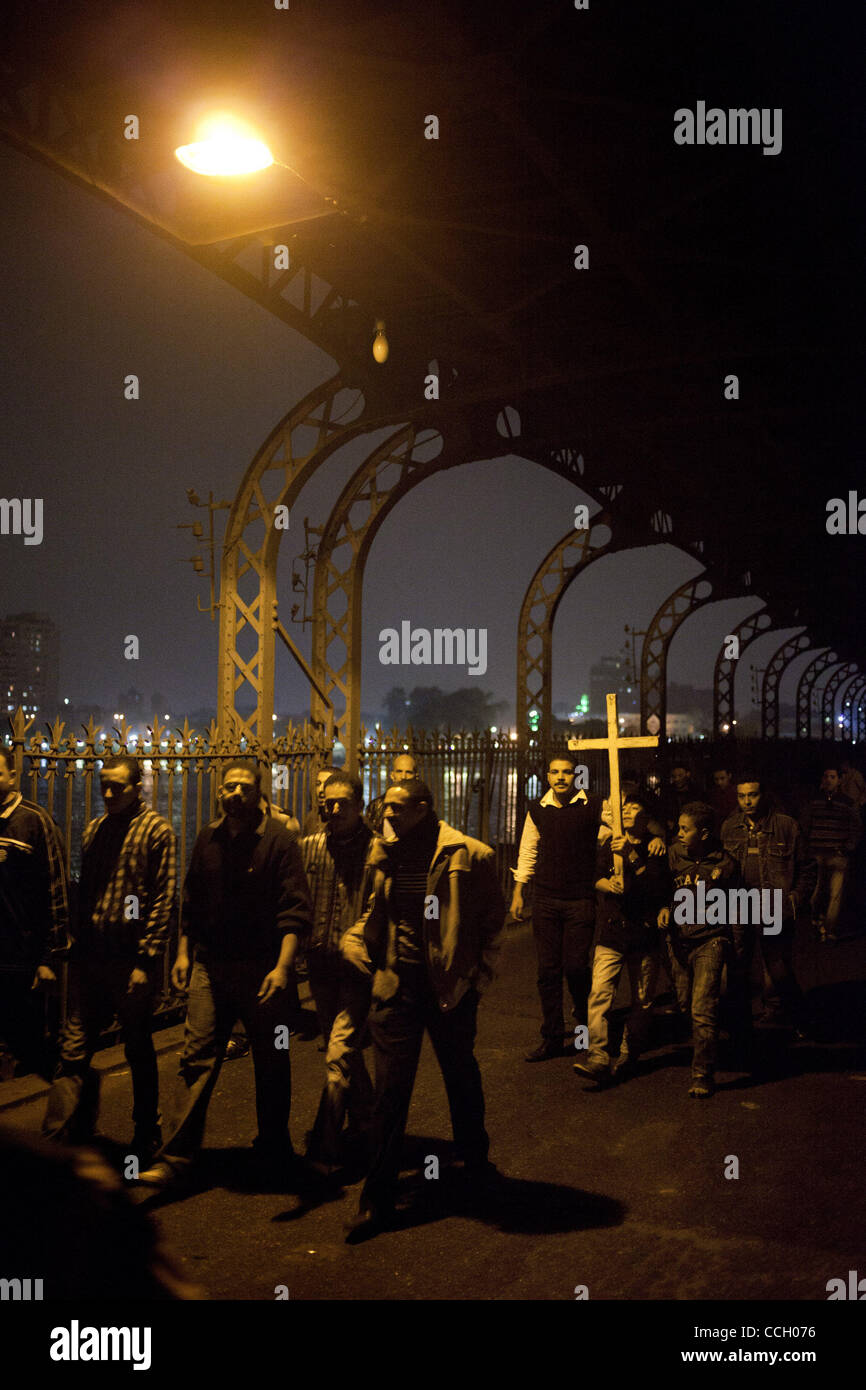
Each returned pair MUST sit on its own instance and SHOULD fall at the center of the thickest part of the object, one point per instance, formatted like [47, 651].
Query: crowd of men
[398, 916]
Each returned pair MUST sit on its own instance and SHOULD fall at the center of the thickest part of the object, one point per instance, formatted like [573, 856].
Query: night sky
[89, 296]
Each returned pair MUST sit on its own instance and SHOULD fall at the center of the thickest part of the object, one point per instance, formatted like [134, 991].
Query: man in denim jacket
[769, 851]
[428, 940]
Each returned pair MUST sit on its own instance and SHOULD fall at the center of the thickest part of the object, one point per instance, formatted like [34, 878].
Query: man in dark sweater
[626, 914]
[831, 826]
[33, 917]
[558, 852]
[245, 907]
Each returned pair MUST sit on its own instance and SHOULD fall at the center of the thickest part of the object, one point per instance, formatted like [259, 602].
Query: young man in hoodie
[428, 939]
[626, 915]
[697, 948]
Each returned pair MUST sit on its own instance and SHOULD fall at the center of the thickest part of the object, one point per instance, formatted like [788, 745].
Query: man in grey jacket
[428, 938]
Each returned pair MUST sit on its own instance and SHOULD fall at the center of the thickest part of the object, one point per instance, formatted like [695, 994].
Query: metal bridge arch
[356, 517]
[562, 564]
[781, 658]
[838, 678]
[752, 627]
[858, 711]
[667, 620]
[854, 695]
[806, 689]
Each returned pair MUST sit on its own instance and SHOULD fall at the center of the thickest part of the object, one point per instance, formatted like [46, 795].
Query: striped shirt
[34, 902]
[128, 884]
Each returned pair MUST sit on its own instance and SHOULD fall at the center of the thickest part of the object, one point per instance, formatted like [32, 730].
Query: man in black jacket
[245, 907]
[558, 850]
[34, 917]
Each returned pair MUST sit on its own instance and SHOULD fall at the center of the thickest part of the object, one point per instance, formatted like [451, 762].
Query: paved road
[623, 1191]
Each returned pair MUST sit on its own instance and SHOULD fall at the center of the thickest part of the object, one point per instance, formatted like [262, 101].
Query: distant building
[612, 674]
[30, 664]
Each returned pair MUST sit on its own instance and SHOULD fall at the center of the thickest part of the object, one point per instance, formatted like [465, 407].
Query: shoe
[545, 1051]
[145, 1145]
[594, 1071]
[235, 1048]
[366, 1223]
[701, 1088]
[160, 1176]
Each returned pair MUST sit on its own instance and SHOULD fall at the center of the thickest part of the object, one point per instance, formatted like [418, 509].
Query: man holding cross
[558, 851]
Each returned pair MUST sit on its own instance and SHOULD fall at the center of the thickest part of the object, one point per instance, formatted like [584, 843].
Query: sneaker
[235, 1048]
[161, 1175]
[545, 1051]
[701, 1088]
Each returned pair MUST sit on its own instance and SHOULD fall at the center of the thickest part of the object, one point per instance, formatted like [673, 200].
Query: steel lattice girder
[251, 544]
[660, 632]
[746, 632]
[806, 689]
[837, 679]
[781, 658]
[562, 564]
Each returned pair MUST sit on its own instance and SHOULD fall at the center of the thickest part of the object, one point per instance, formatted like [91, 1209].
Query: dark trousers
[563, 929]
[397, 1027]
[696, 970]
[778, 953]
[99, 991]
[22, 1019]
[219, 993]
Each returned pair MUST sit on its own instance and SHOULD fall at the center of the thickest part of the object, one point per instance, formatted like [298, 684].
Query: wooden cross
[613, 743]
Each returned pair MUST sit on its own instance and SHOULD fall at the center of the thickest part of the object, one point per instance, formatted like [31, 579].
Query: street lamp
[226, 148]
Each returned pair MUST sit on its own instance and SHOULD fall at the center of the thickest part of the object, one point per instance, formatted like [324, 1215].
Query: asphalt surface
[622, 1190]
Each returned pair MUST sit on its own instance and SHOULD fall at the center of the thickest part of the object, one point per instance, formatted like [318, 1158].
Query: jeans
[778, 954]
[563, 930]
[607, 967]
[397, 1026]
[696, 971]
[219, 993]
[832, 877]
[99, 990]
[342, 999]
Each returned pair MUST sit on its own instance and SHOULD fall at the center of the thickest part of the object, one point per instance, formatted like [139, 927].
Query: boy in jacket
[428, 938]
[626, 914]
[697, 948]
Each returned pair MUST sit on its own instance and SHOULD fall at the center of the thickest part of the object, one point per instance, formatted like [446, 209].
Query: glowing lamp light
[380, 343]
[225, 149]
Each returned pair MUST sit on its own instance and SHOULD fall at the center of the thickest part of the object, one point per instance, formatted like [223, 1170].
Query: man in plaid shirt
[334, 863]
[126, 895]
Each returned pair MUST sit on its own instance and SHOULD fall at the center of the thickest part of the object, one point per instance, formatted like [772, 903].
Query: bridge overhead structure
[602, 306]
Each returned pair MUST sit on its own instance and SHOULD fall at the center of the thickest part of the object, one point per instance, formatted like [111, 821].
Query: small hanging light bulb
[380, 342]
